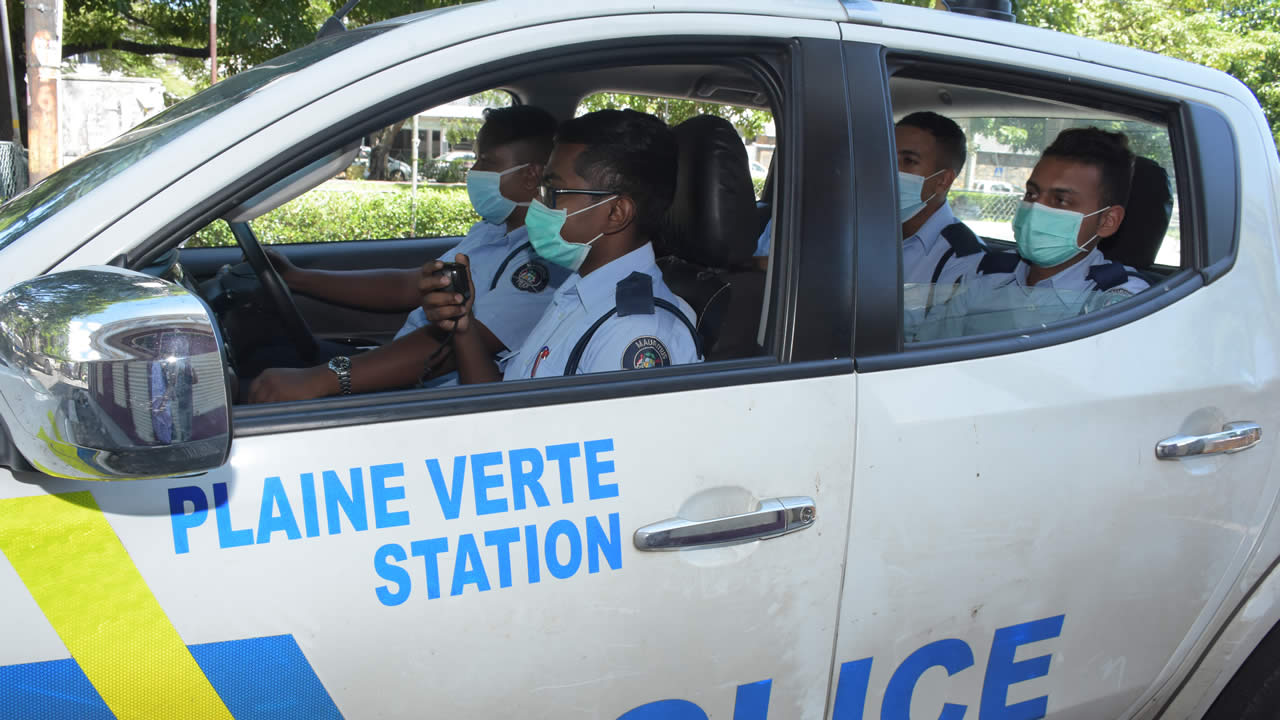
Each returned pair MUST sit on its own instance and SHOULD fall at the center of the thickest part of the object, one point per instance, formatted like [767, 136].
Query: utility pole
[213, 41]
[44, 58]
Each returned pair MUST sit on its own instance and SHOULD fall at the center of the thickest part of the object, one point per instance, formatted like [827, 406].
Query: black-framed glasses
[548, 194]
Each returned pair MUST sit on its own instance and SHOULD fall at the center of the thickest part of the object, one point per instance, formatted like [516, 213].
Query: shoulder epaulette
[963, 240]
[634, 295]
[1110, 275]
[1002, 262]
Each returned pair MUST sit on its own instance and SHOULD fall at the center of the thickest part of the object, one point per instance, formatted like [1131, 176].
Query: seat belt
[633, 296]
[963, 242]
[1111, 275]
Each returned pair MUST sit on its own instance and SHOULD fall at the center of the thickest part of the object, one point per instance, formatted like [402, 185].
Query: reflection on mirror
[110, 374]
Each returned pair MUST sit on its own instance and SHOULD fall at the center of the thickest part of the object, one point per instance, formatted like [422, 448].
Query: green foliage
[749, 122]
[461, 130]
[758, 184]
[1239, 37]
[451, 171]
[1034, 134]
[333, 215]
[249, 31]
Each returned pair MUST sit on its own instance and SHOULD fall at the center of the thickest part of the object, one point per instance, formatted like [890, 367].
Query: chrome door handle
[1234, 437]
[776, 516]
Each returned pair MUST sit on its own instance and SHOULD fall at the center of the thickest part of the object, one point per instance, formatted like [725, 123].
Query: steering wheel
[295, 325]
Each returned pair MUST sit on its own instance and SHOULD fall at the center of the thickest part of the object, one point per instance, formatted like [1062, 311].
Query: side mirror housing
[110, 374]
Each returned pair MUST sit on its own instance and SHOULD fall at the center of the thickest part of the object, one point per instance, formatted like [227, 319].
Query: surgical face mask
[909, 189]
[544, 225]
[484, 189]
[1047, 236]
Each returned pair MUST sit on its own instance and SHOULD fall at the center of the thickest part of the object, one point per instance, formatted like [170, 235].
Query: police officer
[606, 188]
[513, 285]
[937, 249]
[1075, 197]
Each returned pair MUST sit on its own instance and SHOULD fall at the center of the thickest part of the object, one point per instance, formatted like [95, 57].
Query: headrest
[1146, 217]
[712, 219]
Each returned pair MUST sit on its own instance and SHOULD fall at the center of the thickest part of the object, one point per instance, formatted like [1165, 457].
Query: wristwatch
[341, 366]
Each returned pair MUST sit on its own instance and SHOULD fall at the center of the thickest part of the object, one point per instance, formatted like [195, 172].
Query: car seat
[1146, 219]
[710, 228]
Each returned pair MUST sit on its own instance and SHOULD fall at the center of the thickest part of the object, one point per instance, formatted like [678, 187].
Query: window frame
[804, 350]
[1197, 134]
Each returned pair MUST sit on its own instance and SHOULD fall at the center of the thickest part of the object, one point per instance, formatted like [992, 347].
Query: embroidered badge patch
[531, 277]
[645, 352]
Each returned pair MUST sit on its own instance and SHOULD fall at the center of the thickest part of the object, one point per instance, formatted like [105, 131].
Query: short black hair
[946, 132]
[532, 125]
[630, 152]
[1107, 151]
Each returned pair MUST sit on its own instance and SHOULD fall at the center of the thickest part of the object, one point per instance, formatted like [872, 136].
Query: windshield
[41, 201]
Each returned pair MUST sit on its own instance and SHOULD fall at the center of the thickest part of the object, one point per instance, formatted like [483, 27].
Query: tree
[748, 121]
[128, 34]
[1239, 37]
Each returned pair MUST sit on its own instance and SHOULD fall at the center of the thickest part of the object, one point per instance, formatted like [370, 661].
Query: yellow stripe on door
[82, 578]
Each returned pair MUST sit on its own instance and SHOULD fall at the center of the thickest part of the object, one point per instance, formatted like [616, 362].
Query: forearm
[388, 290]
[398, 364]
[474, 357]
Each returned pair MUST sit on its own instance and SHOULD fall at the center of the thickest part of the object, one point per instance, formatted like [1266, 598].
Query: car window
[376, 196]
[29, 209]
[1088, 237]
[754, 124]
[1003, 150]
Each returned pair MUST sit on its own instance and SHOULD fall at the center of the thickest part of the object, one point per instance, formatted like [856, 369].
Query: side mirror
[110, 374]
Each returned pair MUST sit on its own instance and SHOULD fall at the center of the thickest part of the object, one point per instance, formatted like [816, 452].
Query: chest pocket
[633, 296]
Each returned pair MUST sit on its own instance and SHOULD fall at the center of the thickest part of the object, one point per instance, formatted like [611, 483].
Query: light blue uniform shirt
[762, 244]
[621, 343]
[513, 285]
[920, 252]
[996, 302]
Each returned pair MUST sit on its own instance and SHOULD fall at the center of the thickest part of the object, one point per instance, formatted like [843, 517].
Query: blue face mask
[909, 189]
[1047, 236]
[484, 189]
[544, 225]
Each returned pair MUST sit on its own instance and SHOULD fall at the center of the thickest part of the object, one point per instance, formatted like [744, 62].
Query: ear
[945, 181]
[1110, 221]
[622, 214]
[531, 176]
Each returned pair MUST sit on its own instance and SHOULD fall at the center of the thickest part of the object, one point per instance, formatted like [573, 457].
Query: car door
[476, 551]
[1016, 547]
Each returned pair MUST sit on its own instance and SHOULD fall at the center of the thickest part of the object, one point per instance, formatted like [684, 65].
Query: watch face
[340, 364]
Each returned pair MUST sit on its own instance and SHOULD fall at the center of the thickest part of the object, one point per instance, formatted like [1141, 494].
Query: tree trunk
[380, 149]
[44, 60]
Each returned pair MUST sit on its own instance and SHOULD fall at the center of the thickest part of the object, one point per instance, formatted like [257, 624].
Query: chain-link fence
[13, 170]
[994, 207]
[991, 215]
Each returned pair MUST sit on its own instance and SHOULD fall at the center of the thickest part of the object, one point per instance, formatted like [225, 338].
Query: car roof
[510, 14]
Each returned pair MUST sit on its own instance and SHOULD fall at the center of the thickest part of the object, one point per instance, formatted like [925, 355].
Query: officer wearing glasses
[606, 188]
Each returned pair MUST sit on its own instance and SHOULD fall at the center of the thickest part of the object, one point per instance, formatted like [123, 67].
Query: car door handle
[1234, 437]
[776, 516]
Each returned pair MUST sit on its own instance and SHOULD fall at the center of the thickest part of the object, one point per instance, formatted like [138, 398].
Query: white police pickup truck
[1075, 520]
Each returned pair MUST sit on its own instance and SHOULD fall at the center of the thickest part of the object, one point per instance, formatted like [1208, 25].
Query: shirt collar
[598, 291]
[931, 230]
[1073, 278]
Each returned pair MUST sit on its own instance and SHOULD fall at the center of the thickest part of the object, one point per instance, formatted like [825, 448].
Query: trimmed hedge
[338, 214]
[357, 210]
